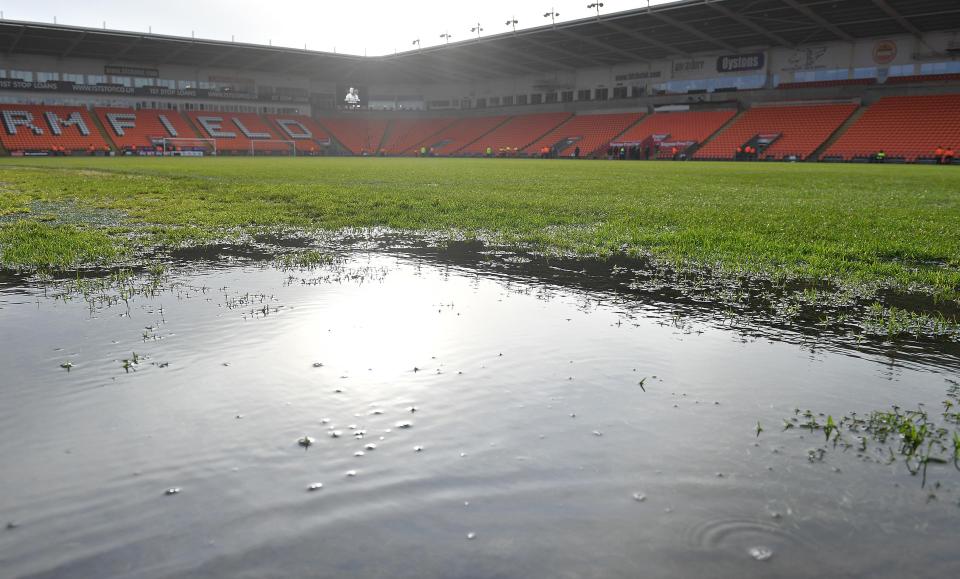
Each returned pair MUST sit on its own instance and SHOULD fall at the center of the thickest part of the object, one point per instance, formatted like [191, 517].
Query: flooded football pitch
[406, 411]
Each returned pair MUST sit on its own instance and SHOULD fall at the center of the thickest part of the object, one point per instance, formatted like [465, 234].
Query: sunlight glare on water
[402, 417]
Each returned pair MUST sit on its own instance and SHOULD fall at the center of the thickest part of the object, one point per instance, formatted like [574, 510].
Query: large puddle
[473, 416]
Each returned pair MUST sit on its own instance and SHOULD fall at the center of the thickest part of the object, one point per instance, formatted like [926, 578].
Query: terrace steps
[498, 125]
[732, 121]
[103, 131]
[841, 130]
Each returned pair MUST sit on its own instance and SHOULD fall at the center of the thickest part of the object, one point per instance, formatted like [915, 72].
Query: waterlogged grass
[889, 226]
[917, 437]
[35, 244]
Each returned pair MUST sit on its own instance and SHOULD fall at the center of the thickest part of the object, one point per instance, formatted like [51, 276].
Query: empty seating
[589, 132]
[902, 126]
[308, 135]
[828, 83]
[239, 132]
[132, 128]
[798, 130]
[405, 136]
[462, 133]
[696, 126]
[517, 133]
[359, 135]
[914, 78]
[46, 127]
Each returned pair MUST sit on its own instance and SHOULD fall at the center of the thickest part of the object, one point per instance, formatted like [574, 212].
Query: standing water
[400, 414]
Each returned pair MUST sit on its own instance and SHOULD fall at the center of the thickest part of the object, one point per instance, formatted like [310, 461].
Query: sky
[372, 27]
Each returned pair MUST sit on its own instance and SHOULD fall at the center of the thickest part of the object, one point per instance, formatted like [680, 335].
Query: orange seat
[903, 126]
[589, 132]
[802, 129]
[43, 127]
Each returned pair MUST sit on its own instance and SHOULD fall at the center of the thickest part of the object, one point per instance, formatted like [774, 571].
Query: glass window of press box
[940, 68]
[24, 75]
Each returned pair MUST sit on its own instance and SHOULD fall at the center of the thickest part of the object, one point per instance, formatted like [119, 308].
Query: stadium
[694, 80]
[658, 289]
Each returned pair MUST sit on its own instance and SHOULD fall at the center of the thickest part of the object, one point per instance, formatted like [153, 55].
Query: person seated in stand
[881, 156]
[739, 154]
[948, 155]
[938, 155]
[576, 152]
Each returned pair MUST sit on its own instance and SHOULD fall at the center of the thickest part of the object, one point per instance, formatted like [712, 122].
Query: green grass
[895, 226]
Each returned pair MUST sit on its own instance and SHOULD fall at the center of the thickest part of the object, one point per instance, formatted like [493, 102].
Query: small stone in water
[597, 433]
[471, 536]
[359, 453]
[418, 449]
[351, 473]
[315, 487]
[12, 525]
[336, 433]
[371, 446]
[66, 366]
[404, 425]
[173, 491]
[305, 442]
[639, 497]
[324, 421]
[318, 364]
[761, 553]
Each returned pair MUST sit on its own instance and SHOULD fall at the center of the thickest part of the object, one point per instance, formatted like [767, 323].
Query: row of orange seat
[908, 127]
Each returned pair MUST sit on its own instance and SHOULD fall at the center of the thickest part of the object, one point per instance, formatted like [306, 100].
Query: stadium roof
[667, 31]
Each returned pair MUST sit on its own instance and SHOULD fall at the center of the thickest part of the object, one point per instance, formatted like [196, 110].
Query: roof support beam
[810, 14]
[600, 44]
[671, 50]
[175, 53]
[776, 38]
[74, 44]
[883, 5]
[221, 57]
[263, 59]
[690, 29]
[492, 67]
[127, 48]
[589, 60]
[16, 40]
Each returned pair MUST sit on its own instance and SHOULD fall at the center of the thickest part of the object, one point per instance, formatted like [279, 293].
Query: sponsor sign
[650, 74]
[688, 67]
[884, 51]
[131, 71]
[741, 62]
[810, 58]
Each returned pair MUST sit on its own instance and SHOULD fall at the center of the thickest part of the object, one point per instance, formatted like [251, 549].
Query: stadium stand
[517, 133]
[907, 127]
[828, 83]
[133, 129]
[790, 130]
[589, 132]
[358, 135]
[693, 126]
[462, 133]
[44, 128]
[238, 132]
[309, 135]
[917, 78]
[405, 136]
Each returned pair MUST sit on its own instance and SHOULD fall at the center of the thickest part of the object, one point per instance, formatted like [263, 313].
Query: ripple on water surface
[389, 414]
